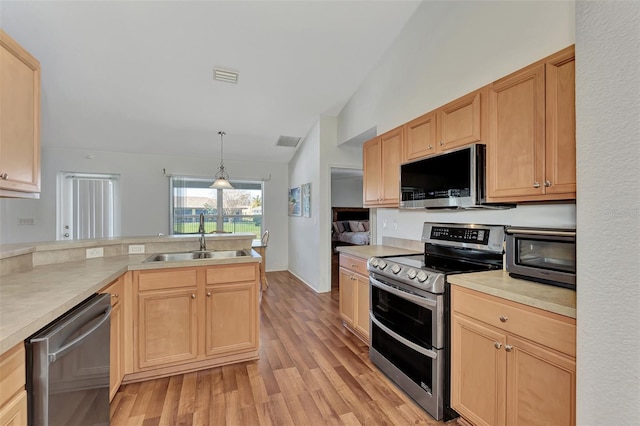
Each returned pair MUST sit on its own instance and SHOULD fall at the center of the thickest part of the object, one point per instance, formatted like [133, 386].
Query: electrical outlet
[95, 252]
[136, 248]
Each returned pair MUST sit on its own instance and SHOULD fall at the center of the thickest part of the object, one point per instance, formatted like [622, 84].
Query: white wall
[145, 194]
[346, 192]
[608, 212]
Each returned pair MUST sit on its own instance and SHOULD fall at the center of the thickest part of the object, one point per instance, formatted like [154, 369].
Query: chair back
[265, 238]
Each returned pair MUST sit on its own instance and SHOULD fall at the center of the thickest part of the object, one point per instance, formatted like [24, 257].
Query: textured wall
[608, 212]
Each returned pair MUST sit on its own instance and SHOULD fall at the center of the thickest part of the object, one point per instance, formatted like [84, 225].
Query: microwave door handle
[422, 301]
[426, 352]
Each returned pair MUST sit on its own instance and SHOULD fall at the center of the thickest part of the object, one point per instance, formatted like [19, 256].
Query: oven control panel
[407, 273]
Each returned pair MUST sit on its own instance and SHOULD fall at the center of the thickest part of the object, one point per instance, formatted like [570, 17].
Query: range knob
[422, 276]
[374, 262]
[395, 269]
[411, 273]
[382, 264]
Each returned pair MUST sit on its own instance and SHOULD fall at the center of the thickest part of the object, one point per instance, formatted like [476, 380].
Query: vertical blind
[93, 207]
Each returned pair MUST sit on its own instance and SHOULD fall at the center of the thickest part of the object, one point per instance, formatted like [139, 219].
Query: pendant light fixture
[222, 177]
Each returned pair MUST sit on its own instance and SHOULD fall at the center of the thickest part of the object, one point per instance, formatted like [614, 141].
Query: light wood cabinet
[116, 346]
[193, 318]
[458, 123]
[532, 132]
[19, 121]
[354, 294]
[510, 364]
[231, 325]
[167, 317]
[381, 169]
[13, 396]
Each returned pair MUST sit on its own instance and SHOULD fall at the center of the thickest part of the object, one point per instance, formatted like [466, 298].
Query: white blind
[93, 207]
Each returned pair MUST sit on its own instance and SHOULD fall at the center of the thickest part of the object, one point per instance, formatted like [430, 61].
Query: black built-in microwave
[453, 179]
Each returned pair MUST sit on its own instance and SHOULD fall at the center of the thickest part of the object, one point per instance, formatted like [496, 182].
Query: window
[88, 206]
[225, 210]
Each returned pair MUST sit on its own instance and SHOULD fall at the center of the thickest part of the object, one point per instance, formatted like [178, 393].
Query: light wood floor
[311, 371]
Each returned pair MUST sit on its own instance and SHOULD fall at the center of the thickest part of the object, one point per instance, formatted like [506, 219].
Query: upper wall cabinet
[458, 123]
[19, 121]
[532, 132]
[381, 169]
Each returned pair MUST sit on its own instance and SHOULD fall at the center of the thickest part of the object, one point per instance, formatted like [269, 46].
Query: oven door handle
[422, 301]
[426, 352]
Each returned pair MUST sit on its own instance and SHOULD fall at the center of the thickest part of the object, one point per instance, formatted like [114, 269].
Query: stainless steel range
[409, 308]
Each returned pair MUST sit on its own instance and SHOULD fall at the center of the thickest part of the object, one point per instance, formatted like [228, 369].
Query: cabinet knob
[353, 265]
[430, 146]
[208, 294]
[536, 184]
[503, 318]
[508, 348]
[497, 345]
[193, 296]
[115, 295]
[441, 143]
[547, 183]
[4, 176]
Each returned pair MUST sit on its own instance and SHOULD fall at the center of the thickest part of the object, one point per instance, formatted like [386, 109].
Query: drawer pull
[115, 295]
[503, 318]
[497, 345]
[508, 348]
[193, 296]
[208, 294]
[353, 265]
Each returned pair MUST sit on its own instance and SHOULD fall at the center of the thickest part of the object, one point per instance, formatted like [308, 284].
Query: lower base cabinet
[354, 294]
[13, 396]
[193, 318]
[510, 364]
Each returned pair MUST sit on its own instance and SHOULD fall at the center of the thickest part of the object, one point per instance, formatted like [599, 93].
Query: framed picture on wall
[306, 200]
[294, 202]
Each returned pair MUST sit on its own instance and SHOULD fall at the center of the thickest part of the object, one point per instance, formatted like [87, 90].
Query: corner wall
[608, 215]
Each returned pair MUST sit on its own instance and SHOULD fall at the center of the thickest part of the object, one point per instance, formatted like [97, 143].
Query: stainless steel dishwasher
[68, 367]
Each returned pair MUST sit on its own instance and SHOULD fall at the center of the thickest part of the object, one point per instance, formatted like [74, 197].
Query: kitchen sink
[194, 255]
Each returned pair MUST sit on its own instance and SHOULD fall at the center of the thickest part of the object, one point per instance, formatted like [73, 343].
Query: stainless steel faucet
[203, 242]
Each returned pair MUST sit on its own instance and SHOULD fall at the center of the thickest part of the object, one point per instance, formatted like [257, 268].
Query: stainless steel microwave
[543, 255]
[453, 179]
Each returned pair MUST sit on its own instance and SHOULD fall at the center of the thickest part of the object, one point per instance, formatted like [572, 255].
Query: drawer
[546, 328]
[116, 289]
[12, 373]
[232, 273]
[166, 279]
[355, 264]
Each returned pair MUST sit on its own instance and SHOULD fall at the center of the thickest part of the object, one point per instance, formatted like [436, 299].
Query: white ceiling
[136, 76]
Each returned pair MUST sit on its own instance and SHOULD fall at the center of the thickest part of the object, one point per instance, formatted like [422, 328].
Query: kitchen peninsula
[213, 302]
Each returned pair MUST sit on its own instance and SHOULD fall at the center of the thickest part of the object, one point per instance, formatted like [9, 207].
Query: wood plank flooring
[311, 371]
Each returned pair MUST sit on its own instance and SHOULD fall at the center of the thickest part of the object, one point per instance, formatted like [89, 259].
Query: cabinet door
[167, 327]
[459, 122]
[561, 123]
[231, 319]
[391, 156]
[420, 137]
[14, 412]
[541, 386]
[116, 353]
[371, 173]
[478, 372]
[347, 296]
[361, 318]
[20, 118]
[517, 135]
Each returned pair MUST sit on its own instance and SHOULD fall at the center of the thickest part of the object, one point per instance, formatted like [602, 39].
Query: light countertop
[498, 283]
[31, 299]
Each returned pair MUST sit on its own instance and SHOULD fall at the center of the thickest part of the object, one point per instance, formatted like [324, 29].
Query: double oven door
[407, 337]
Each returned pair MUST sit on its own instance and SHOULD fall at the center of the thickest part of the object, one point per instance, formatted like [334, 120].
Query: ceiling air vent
[288, 141]
[225, 75]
